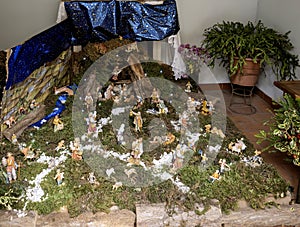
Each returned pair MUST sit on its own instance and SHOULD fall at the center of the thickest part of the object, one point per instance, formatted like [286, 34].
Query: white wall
[22, 19]
[283, 16]
[196, 15]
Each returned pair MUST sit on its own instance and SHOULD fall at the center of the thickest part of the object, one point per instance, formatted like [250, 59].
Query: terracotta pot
[249, 75]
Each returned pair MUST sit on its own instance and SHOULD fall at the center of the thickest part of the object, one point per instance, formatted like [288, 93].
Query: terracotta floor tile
[250, 125]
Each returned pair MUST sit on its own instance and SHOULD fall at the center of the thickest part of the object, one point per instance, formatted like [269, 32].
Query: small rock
[215, 202]
[242, 204]
[114, 208]
[152, 215]
[184, 216]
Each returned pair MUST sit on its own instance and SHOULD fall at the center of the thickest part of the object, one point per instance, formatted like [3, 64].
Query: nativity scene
[102, 117]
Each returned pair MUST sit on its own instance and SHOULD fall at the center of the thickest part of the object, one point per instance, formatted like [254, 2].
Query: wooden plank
[20, 126]
[290, 87]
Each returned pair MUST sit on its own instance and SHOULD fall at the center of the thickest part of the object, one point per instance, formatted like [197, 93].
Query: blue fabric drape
[104, 20]
[58, 109]
[90, 22]
[35, 52]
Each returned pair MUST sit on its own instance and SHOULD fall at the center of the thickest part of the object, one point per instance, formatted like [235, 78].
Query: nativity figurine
[137, 121]
[88, 101]
[59, 177]
[60, 145]
[215, 176]
[170, 138]
[11, 167]
[155, 96]
[178, 157]
[188, 87]
[137, 148]
[92, 122]
[57, 124]
[76, 149]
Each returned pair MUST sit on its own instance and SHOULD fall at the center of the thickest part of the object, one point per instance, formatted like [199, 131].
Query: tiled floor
[251, 124]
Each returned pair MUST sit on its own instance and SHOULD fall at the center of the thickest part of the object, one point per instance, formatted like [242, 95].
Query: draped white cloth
[62, 14]
[178, 64]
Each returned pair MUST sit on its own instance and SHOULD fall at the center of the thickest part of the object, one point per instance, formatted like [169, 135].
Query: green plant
[284, 134]
[9, 198]
[229, 40]
[79, 195]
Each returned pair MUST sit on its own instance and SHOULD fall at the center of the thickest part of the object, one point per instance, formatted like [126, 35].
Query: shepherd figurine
[11, 167]
[138, 121]
[59, 177]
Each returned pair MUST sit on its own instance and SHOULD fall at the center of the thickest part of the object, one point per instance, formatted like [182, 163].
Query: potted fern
[240, 46]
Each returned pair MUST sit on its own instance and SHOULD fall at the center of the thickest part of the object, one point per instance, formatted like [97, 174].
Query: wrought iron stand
[244, 94]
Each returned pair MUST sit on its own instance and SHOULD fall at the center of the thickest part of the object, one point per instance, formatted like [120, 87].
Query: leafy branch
[284, 134]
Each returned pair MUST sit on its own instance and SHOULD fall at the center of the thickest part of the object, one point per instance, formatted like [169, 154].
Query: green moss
[241, 182]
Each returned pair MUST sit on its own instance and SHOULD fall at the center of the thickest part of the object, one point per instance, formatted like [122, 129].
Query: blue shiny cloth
[93, 21]
[40, 49]
[59, 108]
[105, 20]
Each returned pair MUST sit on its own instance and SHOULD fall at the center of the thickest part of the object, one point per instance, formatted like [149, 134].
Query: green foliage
[30, 169]
[229, 40]
[241, 182]
[9, 196]
[79, 195]
[284, 133]
[154, 69]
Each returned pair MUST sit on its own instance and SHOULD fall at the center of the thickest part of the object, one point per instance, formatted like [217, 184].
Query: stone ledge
[156, 215]
[122, 218]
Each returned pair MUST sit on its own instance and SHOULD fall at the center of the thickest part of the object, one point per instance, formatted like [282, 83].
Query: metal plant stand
[241, 99]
